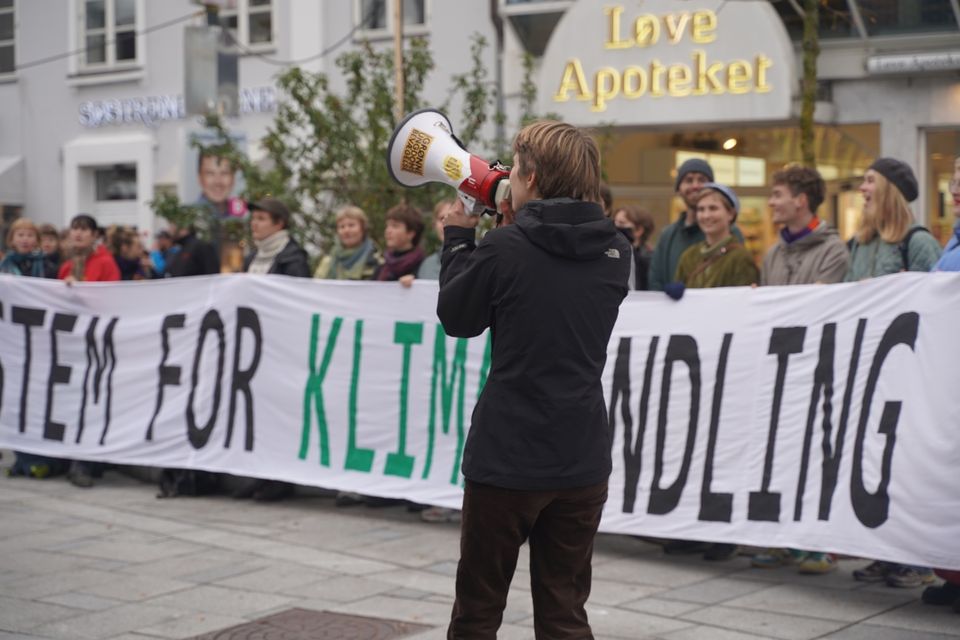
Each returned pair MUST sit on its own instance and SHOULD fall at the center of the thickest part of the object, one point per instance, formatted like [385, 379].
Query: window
[7, 28]
[251, 23]
[118, 182]
[375, 17]
[108, 34]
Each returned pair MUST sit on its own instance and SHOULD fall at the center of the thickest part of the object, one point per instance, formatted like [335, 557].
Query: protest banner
[816, 417]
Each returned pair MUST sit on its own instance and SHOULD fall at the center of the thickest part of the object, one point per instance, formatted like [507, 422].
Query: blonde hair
[22, 223]
[890, 217]
[437, 208]
[566, 160]
[353, 212]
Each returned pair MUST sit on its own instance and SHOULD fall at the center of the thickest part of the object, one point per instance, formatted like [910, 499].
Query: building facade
[94, 115]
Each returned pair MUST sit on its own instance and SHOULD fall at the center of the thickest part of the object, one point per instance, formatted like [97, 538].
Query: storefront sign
[154, 109]
[914, 62]
[818, 417]
[668, 62]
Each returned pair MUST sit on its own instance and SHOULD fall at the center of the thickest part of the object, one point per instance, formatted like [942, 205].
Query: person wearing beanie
[684, 233]
[888, 239]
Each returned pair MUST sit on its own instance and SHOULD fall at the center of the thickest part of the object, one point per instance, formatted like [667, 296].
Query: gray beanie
[693, 165]
[899, 174]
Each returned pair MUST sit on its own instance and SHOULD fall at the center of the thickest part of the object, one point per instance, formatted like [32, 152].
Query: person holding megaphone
[548, 284]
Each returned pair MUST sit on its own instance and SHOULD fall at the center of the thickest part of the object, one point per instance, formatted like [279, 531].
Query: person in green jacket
[888, 239]
[684, 233]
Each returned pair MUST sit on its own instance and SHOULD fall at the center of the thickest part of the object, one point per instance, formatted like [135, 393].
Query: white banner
[817, 417]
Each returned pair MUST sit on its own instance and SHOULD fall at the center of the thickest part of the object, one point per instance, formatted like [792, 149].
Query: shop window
[108, 34]
[7, 35]
[252, 23]
[376, 17]
[943, 151]
[118, 182]
[881, 17]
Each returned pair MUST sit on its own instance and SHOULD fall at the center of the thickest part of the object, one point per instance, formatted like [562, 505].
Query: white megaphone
[423, 149]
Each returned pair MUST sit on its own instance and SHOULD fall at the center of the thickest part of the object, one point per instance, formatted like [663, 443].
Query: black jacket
[549, 288]
[195, 258]
[291, 261]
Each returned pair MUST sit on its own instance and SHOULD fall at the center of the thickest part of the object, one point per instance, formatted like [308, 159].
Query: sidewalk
[113, 562]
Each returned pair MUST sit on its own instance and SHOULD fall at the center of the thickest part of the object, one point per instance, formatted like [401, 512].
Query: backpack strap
[904, 246]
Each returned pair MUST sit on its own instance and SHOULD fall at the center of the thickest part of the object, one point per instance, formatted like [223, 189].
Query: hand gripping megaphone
[423, 149]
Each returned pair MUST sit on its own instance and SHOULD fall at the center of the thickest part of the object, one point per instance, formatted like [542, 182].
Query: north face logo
[612, 253]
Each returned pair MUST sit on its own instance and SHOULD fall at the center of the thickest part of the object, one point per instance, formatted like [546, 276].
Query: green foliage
[326, 149]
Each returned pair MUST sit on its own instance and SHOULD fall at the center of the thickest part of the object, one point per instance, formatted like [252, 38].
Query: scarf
[397, 264]
[348, 264]
[789, 237]
[267, 251]
[130, 269]
[23, 264]
[78, 263]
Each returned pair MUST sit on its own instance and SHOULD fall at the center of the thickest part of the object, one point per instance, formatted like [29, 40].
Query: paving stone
[23, 616]
[345, 589]
[661, 607]
[38, 586]
[190, 624]
[135, 588]
[220, 600]
[617, 622]
[420, 580]
[418, 611]
[850, 606]
[917, 616]
[85, 601]
[103, 624]
[609, 592]
[700, 632]
[776, 625]
[713, 591]
[876, 632]
[277, 578]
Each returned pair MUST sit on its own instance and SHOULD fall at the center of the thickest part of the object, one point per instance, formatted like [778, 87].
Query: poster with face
[209, 179]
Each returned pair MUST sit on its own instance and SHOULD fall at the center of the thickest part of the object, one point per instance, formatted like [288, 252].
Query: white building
[91, 89]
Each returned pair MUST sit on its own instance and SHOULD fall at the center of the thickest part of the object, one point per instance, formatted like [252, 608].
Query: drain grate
[303, 624]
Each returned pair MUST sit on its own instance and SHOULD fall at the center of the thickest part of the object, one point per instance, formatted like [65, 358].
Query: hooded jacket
[820, 256]
[100, 267]
[549, 288]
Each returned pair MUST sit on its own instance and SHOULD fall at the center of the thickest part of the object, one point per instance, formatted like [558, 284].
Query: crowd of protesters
[703, 248]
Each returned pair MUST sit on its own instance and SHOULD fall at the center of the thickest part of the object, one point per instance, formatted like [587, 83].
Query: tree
[811, 51]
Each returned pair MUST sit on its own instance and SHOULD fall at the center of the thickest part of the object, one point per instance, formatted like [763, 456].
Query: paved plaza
[114, 562]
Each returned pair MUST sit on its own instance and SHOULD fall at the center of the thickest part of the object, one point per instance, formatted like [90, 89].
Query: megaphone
[423, 149]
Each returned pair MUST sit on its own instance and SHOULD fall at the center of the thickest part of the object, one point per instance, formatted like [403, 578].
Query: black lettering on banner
[831, 463]
[93, 356]
[29, 318]
[764, 505]
[59, 374]
[199, 436]
[716, 507]
[240, 378]
[872, 509]
[632, 447]
[169, 374]
[681, 348]
[822, 382]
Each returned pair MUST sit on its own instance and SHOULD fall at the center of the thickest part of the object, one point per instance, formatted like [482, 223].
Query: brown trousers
[560, 526]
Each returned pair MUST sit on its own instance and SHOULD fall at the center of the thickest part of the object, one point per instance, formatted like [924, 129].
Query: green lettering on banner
[398, 462]
[447, 384]
[357, 459]
[485, 365]
[314, 389]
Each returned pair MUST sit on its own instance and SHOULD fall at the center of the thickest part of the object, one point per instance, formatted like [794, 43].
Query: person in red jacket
[89, 261]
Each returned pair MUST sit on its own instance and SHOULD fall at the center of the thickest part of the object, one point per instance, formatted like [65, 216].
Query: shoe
[874, 572]
[721, 551]
[376, 502]
[904, 577]
[39, 471]
[273, 491]
[80, 478]
[947, 593]
[248, 488]
[440, 514]
[685, 547]
[774, 558]
[817, 564]
[348, 499]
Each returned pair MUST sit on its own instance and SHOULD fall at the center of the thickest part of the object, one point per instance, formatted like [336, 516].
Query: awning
[11, 180]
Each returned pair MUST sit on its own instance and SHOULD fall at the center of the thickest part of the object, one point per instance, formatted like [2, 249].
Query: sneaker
[80, 478]
[947, 593]
[685, 547]
[440, 514]
[773, 558]
[721, 551]
[348, 499]
[908, 577]
[273, 491]
[817, 564]
[874, 572]
[39, 471]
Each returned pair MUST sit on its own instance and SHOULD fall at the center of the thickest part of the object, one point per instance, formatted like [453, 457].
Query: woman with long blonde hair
[888, 239]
